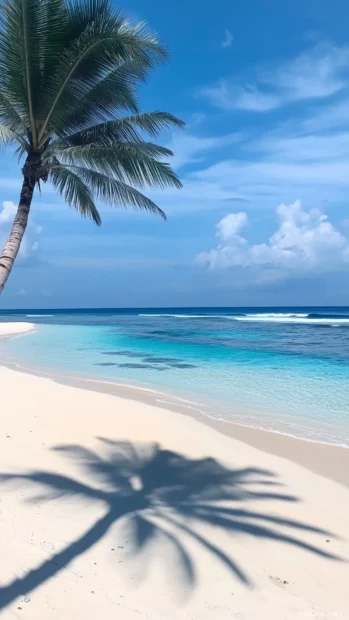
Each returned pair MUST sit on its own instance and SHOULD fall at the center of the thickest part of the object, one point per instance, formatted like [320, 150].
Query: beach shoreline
[325, 459]
[110, 504]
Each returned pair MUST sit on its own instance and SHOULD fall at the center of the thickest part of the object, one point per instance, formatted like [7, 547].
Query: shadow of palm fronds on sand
[163, 498]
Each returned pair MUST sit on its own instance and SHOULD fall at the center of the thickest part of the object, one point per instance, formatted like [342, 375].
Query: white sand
[71, 523]
[7, 329]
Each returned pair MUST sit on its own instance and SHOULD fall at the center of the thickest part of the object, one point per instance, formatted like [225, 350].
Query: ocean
[285, 370]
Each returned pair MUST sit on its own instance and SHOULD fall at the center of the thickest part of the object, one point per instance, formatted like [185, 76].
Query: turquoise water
[281, 370]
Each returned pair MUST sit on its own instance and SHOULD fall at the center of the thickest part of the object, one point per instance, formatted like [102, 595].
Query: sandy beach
[111, 507]
[10, 329]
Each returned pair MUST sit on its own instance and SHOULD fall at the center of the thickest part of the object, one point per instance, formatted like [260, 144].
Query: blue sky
[263, 217]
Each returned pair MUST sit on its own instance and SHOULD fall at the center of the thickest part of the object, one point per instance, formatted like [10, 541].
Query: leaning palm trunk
[14, 241]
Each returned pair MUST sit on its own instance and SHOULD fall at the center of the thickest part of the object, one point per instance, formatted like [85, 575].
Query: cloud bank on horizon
[305, 241]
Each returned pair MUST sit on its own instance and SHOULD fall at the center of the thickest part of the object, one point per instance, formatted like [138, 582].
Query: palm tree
[69, 74]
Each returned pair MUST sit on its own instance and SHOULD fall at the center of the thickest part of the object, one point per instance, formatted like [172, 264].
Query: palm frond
[21, 150]
[20, 53]
[114, 92]
[75, 193]
[133, 163]
[150, 122]
[124, 129]
[53, 41]
[107, 41]
[81, 13]
[10, 117]
[7, 136]
[114, 148]
[31, 38]
[115, 193]
[12, 63]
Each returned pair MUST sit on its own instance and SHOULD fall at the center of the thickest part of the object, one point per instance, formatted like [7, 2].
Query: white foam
[266, 315]
[196, 316]
[33, 316]
[154, 315]
[272, 317]
[292, 319]
[334, 442]
[187, 316]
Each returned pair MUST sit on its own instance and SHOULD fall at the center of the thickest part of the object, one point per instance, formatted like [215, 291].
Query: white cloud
[198, 195]
[195, 119]
[314, 74]
[318, 72]
[277, 165]
[189, 149]
[314, 148]
[306, 154]
[328, 118]
[21, 292]
[227, 96]
[8, 212]
[305, 242]
[230, 225]
[266, 171]
[228, 39]
[30, 244]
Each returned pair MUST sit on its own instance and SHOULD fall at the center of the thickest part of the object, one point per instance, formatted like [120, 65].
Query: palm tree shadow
[162, 497]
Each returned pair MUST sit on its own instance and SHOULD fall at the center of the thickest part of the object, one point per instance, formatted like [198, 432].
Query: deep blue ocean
[282, 369]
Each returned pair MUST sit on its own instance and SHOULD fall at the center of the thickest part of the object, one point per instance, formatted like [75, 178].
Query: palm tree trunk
[13, 243]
